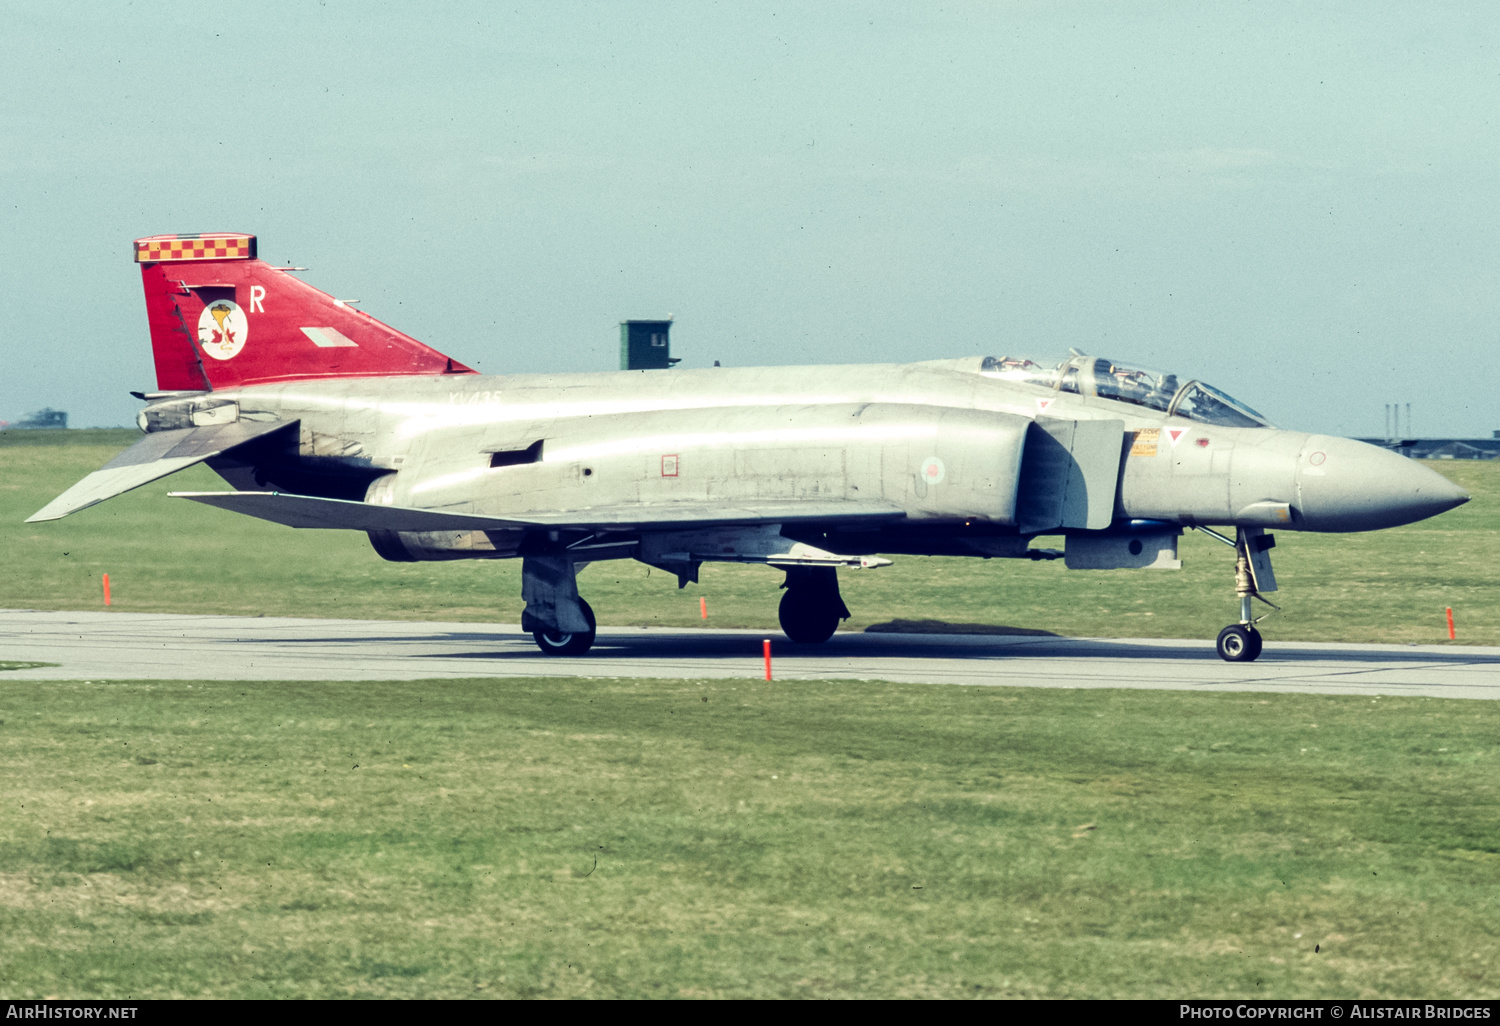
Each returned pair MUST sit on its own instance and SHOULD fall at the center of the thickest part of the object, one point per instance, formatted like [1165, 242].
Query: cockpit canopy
[1097, 376]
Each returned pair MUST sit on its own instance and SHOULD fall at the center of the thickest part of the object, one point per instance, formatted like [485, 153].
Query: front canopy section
[1097, 376]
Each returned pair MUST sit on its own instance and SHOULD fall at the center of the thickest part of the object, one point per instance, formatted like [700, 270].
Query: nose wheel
[1239, 643]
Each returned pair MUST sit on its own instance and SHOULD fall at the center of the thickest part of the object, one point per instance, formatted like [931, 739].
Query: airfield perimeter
[156, 646]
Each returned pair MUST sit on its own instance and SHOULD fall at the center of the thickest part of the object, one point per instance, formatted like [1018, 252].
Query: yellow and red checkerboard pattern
[210, 246]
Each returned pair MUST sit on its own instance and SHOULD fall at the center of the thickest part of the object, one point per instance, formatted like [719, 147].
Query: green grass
[112, 439]
[173, 556]
[663, 838]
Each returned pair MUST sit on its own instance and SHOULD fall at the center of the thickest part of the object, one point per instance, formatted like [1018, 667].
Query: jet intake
[1069, 474]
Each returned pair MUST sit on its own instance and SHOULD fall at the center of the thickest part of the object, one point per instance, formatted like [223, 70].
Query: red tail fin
[220, 318]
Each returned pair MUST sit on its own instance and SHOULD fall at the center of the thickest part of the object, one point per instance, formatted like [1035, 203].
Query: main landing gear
[555, 642]
[1241, 642]
[811, 609]
[561, 623]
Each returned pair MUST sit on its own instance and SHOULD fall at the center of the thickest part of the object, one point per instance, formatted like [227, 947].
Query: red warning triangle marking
[1042, 404]
[1175, 434]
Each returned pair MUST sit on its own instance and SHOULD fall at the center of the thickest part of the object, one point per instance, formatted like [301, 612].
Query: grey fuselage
[955, 450]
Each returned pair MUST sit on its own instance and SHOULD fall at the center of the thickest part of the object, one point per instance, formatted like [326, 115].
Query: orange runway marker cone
[703, 606]
[767, 646]
[1451, 636]
[106, 589]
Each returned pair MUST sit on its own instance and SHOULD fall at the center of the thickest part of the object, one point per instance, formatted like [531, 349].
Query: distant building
[1456, 450]
[43, 419]
[1442, 448]
[646, 345]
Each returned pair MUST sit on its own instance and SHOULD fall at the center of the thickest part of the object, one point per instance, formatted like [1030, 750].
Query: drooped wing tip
[54, 510]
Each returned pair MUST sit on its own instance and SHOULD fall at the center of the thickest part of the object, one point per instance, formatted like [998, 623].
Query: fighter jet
[320, 416]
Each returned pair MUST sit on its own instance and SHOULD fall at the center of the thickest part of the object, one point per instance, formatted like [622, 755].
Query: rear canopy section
[222, 318]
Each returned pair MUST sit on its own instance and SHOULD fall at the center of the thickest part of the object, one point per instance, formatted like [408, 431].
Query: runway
[134, 646]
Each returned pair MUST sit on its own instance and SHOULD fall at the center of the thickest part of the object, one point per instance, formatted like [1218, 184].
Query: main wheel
[1239, 643]
[555, 643]
[806, 618]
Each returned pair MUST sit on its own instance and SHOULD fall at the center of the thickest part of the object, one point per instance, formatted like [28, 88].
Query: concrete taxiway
[133, 646]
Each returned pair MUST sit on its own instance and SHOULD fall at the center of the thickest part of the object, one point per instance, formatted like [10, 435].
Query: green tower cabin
[644, 345]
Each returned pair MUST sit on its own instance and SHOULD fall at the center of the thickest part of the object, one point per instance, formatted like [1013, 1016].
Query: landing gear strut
[1241, 642]
[812, 607]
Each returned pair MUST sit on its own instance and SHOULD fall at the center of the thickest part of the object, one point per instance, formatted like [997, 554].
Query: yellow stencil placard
[1143, 443]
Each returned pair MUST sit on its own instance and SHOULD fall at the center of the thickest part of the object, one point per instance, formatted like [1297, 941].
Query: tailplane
[220, 318]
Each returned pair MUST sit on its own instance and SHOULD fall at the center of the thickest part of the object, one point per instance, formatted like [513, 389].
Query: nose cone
[1344, 485]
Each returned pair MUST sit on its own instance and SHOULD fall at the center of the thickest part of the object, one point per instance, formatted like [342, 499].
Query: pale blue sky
[1296, 202]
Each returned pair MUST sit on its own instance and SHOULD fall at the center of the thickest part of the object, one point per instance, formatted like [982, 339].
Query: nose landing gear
[1241, 642]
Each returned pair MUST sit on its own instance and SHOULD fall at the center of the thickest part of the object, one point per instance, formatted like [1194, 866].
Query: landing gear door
[1258, 545]
[1070, 471]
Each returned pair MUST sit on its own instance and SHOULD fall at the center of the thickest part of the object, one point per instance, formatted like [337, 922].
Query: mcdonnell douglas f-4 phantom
[320, 416]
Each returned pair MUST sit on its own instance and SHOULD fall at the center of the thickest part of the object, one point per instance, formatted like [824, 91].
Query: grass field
[669, 838]
[169, 555]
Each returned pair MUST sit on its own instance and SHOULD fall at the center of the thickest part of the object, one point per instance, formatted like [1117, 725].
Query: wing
[311, 511]
[157, 455]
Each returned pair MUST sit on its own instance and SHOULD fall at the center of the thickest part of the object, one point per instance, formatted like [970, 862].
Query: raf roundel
[222, 329]
[933, 470]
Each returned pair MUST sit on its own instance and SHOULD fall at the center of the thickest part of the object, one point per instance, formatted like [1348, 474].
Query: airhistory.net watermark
[42, 1010]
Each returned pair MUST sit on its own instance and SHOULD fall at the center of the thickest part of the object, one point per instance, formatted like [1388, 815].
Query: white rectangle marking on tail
[328, 338]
